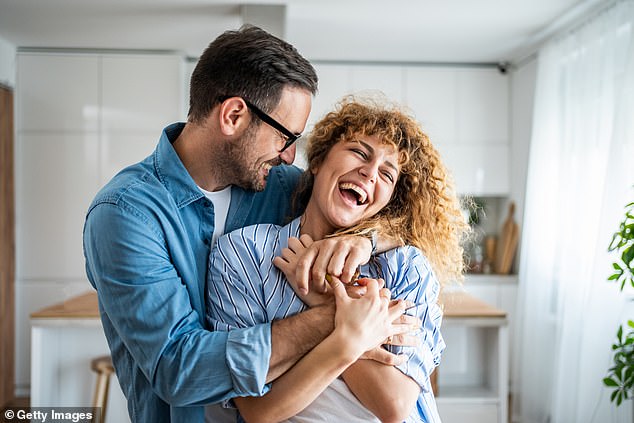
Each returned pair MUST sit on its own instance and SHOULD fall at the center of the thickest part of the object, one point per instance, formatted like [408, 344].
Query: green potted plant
[621, 375]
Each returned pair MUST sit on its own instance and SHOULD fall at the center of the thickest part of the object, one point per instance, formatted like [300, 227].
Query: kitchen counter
[66, 336]
[456, 305]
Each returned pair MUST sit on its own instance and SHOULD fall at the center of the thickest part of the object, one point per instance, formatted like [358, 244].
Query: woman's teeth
[362, 196]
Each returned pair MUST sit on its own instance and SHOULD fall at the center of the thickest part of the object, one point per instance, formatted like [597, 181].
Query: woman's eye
[388, 176]
[360, 153]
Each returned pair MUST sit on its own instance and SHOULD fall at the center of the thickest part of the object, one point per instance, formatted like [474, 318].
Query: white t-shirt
[337, 404]
[221, 201]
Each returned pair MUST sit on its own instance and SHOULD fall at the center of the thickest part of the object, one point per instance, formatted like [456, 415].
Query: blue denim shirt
[146, 243]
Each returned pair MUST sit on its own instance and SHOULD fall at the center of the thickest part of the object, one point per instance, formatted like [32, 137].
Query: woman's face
[355, 181]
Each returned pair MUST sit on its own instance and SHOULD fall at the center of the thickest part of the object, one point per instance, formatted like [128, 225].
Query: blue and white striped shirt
[244, 288]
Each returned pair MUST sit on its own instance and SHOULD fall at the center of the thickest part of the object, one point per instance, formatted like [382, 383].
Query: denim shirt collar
[170, 169]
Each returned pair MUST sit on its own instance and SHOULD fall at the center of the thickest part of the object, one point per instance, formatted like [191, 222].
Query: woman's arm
[391, 392]
[360, 324]
[384, 390]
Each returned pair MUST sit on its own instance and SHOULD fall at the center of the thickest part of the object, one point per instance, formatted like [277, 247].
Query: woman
[370, 168]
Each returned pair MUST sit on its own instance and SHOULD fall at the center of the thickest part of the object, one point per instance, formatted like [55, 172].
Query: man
[149, 231]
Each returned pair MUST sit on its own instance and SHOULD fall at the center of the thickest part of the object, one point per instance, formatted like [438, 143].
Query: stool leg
[101, 396]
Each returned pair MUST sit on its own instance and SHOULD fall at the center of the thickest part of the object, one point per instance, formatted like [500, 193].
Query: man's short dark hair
[249, 63]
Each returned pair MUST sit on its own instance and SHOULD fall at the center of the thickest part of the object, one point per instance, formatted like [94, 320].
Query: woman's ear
[233, 115]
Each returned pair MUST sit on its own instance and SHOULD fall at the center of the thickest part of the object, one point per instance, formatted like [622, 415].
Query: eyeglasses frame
[266, 118]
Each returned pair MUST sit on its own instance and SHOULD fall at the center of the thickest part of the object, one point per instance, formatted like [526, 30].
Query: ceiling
[449, 31]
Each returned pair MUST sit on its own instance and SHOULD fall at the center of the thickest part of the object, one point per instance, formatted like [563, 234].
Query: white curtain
[580, 177]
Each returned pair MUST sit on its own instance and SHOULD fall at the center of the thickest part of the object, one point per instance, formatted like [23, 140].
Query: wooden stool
[104, 369]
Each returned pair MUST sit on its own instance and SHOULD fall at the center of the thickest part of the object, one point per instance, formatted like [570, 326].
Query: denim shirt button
[206, 203]
[206, 241]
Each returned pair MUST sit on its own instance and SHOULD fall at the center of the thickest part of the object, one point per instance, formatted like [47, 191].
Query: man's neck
[198, 152]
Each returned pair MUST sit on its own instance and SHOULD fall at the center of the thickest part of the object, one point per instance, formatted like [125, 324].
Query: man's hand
[306, 262]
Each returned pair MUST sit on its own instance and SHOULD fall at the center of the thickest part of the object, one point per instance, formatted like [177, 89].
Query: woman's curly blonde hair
[424, 210]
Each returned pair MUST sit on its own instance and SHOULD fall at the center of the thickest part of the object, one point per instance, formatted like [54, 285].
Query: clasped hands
[311, 268]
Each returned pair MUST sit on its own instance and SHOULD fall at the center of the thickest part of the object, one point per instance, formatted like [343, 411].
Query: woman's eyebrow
[371, 150]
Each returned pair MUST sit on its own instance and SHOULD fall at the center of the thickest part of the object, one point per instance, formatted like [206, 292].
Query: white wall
[7, 63]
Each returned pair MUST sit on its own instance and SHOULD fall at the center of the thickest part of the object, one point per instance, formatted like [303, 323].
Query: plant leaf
[609, 382]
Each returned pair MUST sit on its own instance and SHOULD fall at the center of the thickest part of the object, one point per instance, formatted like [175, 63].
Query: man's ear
[234, 116]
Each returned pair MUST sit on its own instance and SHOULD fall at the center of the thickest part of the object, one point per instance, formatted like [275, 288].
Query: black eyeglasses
[290, 137]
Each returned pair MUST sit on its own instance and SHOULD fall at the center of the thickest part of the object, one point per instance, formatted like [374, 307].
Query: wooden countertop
[84, 306]
[455, 305]
[458, 304]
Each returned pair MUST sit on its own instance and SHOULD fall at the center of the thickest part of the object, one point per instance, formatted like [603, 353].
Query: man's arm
[293, 337]
[236, 298]
[150, 315]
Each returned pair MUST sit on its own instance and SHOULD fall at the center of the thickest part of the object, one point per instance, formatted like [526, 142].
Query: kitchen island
[65, 337]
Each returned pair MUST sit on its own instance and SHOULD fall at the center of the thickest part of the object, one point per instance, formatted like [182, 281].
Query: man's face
[258, 150]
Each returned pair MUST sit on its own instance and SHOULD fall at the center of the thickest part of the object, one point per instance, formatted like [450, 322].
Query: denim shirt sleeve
[149, 315]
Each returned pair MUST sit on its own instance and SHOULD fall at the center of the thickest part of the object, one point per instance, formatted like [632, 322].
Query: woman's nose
[369, 171]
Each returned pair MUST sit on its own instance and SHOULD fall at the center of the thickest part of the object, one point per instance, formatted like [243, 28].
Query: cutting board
[507, 244]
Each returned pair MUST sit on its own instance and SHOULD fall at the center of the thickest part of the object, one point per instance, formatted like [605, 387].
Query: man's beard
[244, 171]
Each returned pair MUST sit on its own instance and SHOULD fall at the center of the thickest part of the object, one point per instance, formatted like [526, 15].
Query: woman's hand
[363, 323]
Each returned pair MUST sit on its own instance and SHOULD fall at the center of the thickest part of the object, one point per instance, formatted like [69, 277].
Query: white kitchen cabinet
[334, 83]
[57, 92]
[478, 169]
[464, 110]
[379, 79]
[57, 176]
[473, 376]
[465, 113]
[482, 106]
[431, 93]
[80, 118]
[140, 92]
[65, 338]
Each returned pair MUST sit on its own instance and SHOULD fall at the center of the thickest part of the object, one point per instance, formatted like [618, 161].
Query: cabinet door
[372, 80]
[478, 169]
[141, 92]
[482, 106]
[334, 83]
[57, 177]
[430, 93]
[57, 92]
[455, 412]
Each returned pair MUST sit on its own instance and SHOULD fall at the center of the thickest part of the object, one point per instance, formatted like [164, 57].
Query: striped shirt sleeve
[409, 276]
[234, 296]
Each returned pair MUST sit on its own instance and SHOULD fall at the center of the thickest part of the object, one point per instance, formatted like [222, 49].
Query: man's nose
[288, 155]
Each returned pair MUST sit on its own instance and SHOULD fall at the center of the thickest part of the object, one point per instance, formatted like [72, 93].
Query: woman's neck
[314, 224]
